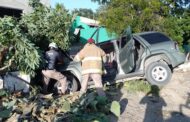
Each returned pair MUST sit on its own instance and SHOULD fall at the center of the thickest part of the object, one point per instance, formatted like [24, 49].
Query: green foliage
[20, 47]
[115, 108]
[5, 113]
[171, 28]
[66, 107]
[177, 25]
[180, 6]
[46, 25]
[143, 15]
[29, 36]
[184, 23]
[35, 3]
[91, 107]
[137, 85]
[140, 14]
[6, 109]
[3, 93]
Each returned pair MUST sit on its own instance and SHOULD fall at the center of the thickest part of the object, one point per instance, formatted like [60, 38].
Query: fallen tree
[18, 51]
[23, 41]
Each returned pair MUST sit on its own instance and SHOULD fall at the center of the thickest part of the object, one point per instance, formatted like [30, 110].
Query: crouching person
[52, 58]
[91, 57]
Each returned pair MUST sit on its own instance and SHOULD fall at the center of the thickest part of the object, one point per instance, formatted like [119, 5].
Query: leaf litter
[37, 107]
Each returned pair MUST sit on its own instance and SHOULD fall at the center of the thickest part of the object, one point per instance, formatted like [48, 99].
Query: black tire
[72, 84]
[158, 73]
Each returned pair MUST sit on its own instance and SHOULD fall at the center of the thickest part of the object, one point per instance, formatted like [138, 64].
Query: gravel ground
[172, 104]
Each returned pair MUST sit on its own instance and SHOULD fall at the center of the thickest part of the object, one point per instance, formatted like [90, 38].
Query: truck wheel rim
[68, 86]
[159, 73]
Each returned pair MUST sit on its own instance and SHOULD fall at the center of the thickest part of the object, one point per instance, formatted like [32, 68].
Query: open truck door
[126, 52]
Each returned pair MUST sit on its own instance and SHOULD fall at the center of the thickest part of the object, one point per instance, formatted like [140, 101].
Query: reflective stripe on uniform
[92, 59]
[86, 71]
[77, 58]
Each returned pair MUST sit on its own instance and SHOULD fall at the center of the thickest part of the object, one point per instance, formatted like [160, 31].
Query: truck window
[107, 47]
[123, 42]
[153, 38]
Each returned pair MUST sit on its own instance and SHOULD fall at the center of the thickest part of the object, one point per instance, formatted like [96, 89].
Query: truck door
[126, 54]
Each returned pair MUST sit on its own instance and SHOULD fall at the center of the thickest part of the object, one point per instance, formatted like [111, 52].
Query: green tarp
[87, 30]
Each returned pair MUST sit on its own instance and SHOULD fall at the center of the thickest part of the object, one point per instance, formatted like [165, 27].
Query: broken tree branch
[7, 66]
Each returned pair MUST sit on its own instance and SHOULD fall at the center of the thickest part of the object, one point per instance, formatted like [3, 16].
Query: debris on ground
[183, 67]
[48, 108]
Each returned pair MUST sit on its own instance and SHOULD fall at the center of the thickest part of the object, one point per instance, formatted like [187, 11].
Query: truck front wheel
[72, 84]
[158, 73]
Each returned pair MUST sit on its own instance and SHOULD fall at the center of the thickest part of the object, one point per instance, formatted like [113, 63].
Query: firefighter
[91, 57]
[52, 58]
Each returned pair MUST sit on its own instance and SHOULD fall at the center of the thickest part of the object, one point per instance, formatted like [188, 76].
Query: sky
[71, 4]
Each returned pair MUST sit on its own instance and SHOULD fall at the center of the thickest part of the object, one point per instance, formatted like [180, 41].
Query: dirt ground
[172, 104]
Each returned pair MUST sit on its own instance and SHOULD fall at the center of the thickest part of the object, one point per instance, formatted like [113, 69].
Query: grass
[137, 86]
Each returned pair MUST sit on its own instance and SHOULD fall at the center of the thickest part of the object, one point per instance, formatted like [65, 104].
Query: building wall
[20, 4]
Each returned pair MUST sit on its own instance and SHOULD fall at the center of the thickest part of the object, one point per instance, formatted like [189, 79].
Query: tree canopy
[46, 25]
[84, 12]
[101, 1]
[143, 15]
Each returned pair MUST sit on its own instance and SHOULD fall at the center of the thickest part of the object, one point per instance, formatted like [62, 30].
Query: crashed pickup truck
[148, 55]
